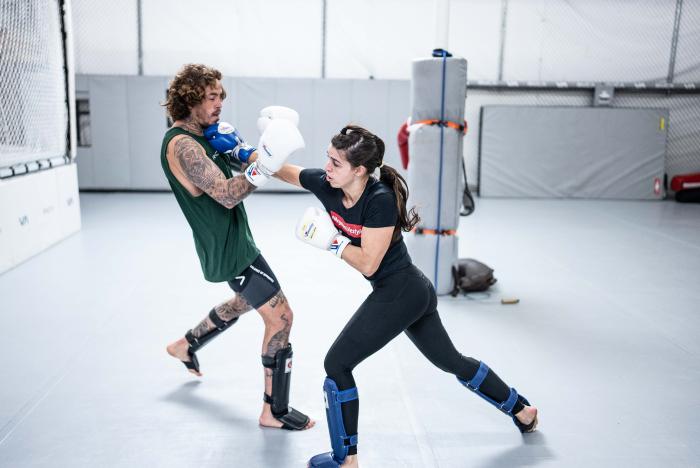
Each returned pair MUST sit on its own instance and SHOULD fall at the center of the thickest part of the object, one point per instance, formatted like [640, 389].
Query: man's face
[207, 112]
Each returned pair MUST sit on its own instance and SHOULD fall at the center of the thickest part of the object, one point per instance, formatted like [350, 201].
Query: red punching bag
[402, 138]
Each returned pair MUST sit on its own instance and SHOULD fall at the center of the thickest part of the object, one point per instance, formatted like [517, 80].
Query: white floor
[605, 341]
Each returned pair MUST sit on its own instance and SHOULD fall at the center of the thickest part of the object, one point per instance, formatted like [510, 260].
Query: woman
[370, 215]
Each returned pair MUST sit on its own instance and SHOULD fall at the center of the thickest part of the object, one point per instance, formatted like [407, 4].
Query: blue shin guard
[505, 406]
[340, 441]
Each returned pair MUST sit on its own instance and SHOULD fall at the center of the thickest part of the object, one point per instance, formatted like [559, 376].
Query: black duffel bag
[471, 275]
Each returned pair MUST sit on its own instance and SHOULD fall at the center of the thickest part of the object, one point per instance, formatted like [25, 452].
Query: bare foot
[527, 415]
[178, 350]
[268, 420]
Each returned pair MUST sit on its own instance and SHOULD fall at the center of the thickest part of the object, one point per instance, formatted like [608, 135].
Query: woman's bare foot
[350, 461]
[178, 350]
[527, 415]
[268, 420]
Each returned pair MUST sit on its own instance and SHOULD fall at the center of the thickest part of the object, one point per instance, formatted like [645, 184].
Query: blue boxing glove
[225, 139]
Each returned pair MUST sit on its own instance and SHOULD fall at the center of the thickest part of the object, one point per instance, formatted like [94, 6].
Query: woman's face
[339, 172]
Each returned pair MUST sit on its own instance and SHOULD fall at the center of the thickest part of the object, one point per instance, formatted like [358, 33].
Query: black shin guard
[197, 343]
[281, 365]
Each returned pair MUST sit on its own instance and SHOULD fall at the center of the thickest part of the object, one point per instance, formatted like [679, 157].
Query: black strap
[218, 323]
[467, 198]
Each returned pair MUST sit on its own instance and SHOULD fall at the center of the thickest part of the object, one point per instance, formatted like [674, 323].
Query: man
[211, 198]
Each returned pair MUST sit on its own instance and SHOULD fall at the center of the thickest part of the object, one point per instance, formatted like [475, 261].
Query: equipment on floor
[471, 275]
[687, 187]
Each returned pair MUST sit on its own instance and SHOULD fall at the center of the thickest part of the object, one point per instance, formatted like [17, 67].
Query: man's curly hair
[187, 89]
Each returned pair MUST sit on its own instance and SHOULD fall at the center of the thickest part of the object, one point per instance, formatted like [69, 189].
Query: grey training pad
[568, 152]
[426, 89]
[423, 250]
[426, 192]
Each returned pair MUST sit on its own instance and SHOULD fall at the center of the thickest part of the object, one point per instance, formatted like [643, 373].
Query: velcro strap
[454, 125]
[191, 339]
[507, 406]
[293, 419]
[344, 396]
[267, 399]
[216, 320]
[479, 378]
[351, 440]
[268, 362]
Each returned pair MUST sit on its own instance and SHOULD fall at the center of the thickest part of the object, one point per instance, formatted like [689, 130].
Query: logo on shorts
[262, 273]
[242, 278]
[288, 366]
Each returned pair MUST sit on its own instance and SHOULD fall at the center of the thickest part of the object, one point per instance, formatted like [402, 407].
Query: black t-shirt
[376, 208]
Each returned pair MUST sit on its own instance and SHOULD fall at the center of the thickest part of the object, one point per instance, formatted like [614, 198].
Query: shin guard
[196, 343]
[505, 406]
[340, 440]
[281, 365]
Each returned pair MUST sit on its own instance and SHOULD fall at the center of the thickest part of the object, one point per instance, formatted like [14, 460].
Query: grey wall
[127, 122]
[570, 152]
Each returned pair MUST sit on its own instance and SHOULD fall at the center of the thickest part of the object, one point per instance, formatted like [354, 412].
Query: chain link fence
[33, 111]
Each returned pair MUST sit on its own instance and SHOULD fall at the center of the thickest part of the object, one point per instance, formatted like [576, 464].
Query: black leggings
[403, 302]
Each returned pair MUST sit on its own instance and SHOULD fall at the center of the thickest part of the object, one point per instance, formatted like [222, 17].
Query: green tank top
[222, 237]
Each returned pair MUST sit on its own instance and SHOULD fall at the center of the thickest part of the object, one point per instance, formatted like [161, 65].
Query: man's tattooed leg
[277, 325]
[226, 312]
[219, 319]
[277, 363]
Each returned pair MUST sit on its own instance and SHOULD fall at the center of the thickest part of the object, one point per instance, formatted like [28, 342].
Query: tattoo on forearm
[207, 176]
[279, 340]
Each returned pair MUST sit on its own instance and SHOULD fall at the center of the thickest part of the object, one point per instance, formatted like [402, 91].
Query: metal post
[504, 15]
[674, 41]
[324, 11]
[139, 27]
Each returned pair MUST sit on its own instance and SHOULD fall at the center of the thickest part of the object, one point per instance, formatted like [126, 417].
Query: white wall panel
[274, 38]
[379, 39]
[475, 34]
[36, 211]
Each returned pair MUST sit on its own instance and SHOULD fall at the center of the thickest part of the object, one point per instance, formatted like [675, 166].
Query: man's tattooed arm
[203, 173]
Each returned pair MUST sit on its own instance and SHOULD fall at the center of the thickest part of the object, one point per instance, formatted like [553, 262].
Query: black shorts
[257, 283]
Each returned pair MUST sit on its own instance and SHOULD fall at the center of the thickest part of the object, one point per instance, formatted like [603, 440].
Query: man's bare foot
[178, 350]
[527, 415]
[268, 420]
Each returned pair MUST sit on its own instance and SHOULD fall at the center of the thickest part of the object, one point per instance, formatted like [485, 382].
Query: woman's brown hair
[363, 148]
